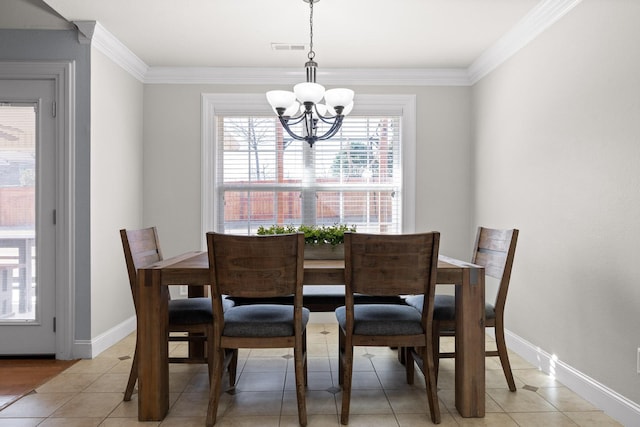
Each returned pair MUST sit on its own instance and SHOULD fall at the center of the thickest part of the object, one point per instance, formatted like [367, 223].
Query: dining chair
[494, 249]
[192, 318]
[388, 265]
[257, 267]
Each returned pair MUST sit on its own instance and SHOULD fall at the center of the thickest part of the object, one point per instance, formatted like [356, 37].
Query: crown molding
[528, 28]
[290, 76]
[114, 49]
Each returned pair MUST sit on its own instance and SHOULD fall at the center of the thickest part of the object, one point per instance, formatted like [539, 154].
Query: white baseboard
[612, 403]
[88, 349]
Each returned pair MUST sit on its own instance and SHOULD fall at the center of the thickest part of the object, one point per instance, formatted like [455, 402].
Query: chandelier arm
[330, 120]
[291, 120]
[285, 125]
[333, 130]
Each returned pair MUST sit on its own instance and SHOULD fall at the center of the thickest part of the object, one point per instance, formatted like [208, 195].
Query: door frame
[63, 74]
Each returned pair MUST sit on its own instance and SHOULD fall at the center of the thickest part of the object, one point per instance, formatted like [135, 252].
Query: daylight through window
[261, 176]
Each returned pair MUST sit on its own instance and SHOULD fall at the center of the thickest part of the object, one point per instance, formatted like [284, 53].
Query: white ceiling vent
[288, 46]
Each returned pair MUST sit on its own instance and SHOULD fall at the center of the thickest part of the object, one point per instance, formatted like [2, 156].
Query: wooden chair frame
[141, 248]
[390, 265]
[256, 267]
[494, 249]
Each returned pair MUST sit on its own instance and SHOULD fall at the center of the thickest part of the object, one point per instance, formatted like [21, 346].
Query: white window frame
[250, 104]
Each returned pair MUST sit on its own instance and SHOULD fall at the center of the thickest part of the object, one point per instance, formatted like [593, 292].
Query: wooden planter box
[323, 251]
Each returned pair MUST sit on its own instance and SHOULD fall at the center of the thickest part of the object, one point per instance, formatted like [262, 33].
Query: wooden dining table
[192, 269]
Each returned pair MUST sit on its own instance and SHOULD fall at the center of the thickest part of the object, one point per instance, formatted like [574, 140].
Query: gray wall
[41, 45]
[557, 142]
[116, 187]
[172, 145]
[548, 143]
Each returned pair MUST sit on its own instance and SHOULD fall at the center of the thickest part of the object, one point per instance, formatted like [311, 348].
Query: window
[255, 174]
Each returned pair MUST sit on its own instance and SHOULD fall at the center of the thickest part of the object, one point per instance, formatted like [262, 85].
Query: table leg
[470, 346]
[196, 348]
[152, 346]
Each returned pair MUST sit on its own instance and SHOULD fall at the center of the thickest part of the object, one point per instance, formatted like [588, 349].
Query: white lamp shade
[347, 109]
[339, 97]
[292, 110]
[321, 109]
[309, 92]
[330, 111]
[281, 98]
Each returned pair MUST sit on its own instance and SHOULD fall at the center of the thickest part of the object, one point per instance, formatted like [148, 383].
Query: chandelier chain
[304, 105]
[311, 53]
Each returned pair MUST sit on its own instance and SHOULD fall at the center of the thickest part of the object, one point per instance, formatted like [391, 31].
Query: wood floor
[21, 376]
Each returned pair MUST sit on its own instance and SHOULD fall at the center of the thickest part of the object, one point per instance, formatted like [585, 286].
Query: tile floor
[90, 393]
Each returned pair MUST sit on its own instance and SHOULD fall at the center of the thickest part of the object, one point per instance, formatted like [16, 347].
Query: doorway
[36, 215]
[27, 206]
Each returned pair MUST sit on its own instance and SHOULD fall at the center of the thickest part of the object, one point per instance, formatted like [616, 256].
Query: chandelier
[304, 105]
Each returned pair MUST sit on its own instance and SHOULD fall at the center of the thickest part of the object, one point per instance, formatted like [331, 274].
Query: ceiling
[410, 34]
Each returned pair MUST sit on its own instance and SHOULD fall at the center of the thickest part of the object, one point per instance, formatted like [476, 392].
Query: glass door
[18, 288]
[27, 211]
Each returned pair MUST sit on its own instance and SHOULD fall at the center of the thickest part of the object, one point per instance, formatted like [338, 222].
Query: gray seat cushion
[190, 311]
[261, 320]
[444, 307]
[382, 319]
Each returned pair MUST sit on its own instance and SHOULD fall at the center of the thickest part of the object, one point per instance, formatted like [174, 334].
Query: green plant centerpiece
[321, 241]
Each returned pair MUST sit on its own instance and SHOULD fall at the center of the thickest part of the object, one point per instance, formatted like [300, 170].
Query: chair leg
[304, 352]
[214, 390]
[233, 367]
[402, 355]
[435, 341]
[209, 364]
[504, 355]
[432, 388]
[409, 366]
[133, 376]
[347, 370]
[341, 340]
[300, 357]
[423, 357]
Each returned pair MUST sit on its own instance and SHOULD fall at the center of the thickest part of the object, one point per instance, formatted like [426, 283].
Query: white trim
[541, 17]
[113, 48]
[528, 28]
[212, 104]
[64, 75]
[88, 349]
[290, 76]
[612, 403]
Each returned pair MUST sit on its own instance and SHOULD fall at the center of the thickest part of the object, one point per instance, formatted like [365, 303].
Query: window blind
[265, 177]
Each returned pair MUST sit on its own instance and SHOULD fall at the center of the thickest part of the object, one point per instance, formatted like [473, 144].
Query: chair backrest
[256, 266]
[391, 264]
[494, 250]
[141, 248]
